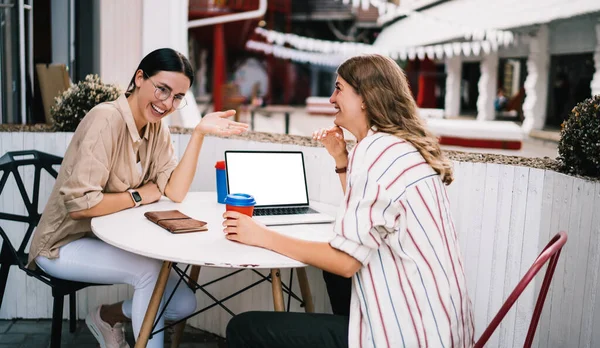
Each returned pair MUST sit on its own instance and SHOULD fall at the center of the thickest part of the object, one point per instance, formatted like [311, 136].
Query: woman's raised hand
[333, 140]
[216, 123]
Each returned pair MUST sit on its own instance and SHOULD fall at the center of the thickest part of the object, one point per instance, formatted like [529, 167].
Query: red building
[226, 42]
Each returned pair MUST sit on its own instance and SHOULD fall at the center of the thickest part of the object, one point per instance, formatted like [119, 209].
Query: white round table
[130, 230]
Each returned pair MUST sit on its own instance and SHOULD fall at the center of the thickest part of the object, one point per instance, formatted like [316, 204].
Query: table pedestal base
[179, 328]
[192, 280]
[155, 300]
[309, 307]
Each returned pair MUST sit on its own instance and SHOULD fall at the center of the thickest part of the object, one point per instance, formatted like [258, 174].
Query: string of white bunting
[330, 53]
[295, 55]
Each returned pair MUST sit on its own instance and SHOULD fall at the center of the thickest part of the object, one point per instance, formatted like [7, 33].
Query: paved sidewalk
[36, 334]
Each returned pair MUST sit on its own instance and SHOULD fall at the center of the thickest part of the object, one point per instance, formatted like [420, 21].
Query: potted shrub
[76, 101]
[579, 146]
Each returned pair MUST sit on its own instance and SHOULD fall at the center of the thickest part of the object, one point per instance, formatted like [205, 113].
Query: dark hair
[162, 59]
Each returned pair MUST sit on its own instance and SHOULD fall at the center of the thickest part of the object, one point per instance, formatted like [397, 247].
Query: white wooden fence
[504, 215]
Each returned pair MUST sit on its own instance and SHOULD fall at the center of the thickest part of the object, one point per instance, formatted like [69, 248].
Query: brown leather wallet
[175, 221]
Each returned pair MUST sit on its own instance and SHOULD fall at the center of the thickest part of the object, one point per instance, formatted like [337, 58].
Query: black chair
[9, 256]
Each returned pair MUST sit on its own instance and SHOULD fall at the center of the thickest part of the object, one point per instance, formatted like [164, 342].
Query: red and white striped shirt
[395, 220]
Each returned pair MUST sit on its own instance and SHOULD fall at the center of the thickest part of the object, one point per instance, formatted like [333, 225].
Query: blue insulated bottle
[221, 182]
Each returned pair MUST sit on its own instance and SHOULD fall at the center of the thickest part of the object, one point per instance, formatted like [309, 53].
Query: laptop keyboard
[284, 211]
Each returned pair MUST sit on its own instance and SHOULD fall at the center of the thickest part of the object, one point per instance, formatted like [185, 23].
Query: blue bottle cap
[240, 200]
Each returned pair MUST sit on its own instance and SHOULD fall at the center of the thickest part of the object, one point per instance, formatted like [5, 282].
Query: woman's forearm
[343, 181]
[342, 162]
[318, 254]
[181, 178]
[110, 203]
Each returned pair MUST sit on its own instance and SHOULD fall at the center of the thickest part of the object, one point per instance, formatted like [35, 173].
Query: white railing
[504, 215]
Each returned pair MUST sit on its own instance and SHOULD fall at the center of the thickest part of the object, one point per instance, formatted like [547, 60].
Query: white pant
[93, 261]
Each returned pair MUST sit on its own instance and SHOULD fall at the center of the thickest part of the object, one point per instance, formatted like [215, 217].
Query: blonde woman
[394, 234]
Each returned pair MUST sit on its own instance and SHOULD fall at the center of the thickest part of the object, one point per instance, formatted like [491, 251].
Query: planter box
[504, 216]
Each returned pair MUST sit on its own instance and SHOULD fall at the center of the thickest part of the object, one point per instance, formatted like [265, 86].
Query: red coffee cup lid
[220, 165]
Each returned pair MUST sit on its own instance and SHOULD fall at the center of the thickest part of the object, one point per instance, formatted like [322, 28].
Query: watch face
[136, 196]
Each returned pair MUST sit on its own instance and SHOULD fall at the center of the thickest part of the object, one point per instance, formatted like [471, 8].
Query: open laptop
[277, 180]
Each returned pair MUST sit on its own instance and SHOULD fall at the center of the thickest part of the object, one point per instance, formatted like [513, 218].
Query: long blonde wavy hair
[391, 107]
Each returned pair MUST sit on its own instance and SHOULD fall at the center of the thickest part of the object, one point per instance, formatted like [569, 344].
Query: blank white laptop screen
[273, 178]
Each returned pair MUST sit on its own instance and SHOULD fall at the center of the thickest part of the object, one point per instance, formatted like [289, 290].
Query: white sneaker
[107, 336]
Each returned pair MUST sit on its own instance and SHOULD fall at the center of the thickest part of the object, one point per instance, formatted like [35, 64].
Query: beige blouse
[101, 158]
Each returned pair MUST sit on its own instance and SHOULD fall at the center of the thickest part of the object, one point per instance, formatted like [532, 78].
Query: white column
[120, 40]
[487, 87]
[453, 77]
[165, 25]
[536, 84]
[131, 29]
[595, 85]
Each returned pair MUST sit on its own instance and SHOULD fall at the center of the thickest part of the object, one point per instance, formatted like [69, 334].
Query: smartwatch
[137, 198]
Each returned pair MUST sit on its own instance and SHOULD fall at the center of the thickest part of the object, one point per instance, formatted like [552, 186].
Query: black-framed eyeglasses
[163, 93]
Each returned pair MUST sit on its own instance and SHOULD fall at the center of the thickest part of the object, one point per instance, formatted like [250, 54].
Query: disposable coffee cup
[240, 202]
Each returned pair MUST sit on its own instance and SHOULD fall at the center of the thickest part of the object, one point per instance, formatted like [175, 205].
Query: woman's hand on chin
[244, 229]
[216, 123]
[333, 140]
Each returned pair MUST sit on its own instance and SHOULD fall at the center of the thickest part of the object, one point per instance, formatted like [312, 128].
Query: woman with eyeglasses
[120, 157]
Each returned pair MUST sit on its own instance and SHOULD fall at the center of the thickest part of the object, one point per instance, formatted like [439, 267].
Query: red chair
[551, 252]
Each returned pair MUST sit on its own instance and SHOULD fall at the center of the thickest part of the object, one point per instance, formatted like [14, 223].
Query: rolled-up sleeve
[166, 159]
[89, 173]
[366, 213]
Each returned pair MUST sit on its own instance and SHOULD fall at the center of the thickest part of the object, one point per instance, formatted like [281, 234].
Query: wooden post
[179, 328]
[426, 94]
[277, 291]
[219, 66]
[309, 307]
[154, 304]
